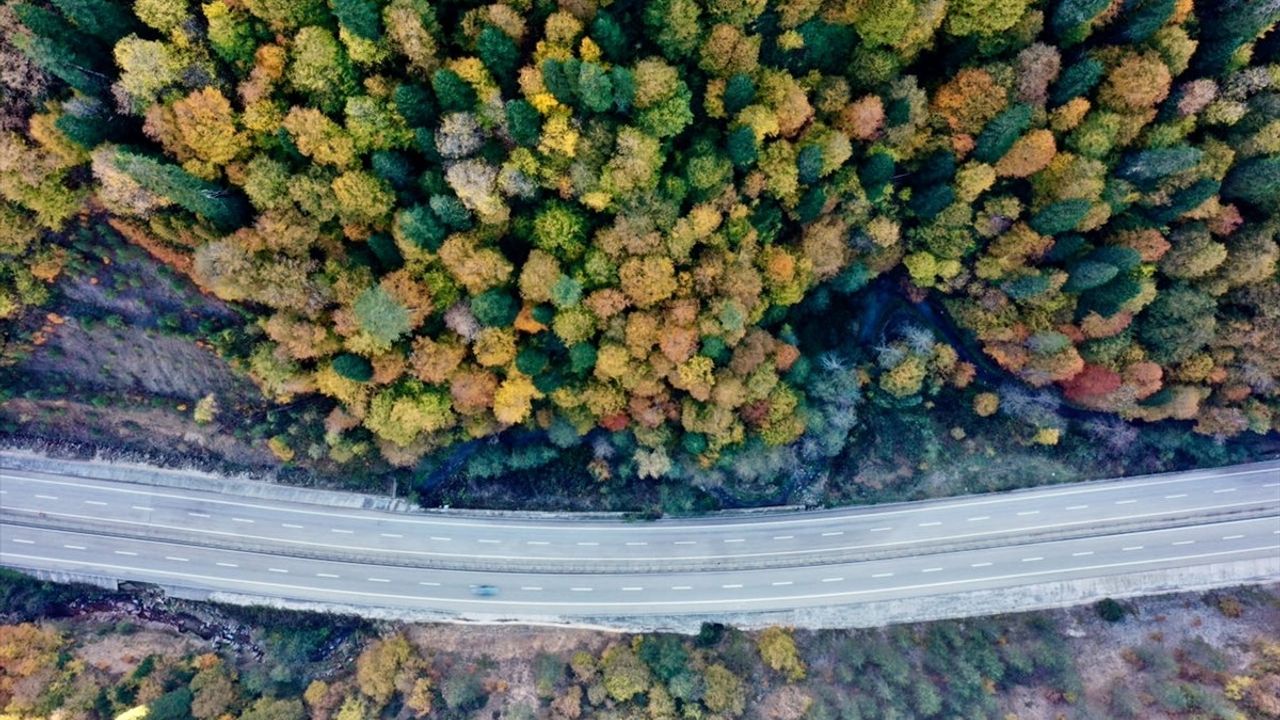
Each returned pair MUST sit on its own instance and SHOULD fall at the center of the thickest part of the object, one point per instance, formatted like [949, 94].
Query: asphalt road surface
[568, 567]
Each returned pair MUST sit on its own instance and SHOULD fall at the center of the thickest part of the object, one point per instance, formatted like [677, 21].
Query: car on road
[484, 590]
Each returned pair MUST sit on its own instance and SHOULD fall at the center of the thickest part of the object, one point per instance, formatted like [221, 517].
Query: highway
[580, 568]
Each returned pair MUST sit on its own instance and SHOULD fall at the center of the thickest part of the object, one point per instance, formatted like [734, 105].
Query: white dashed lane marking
[227, 564]
[833, 533]
[277, 570]
[73, 547]
[632, 589]
[1185, 542]
[533, 588]
[176, 559]
[326, 575]
[931, 570]
[47, 497]
[731, 586]
[291, 526]
[1082, 554]
[126, 552]
[935, 523]
[198, 514]
[391, 535]
[1077, 507]
[341, 531]
[780, 583]
[143, 508]
[981, 564]
[1223, 490]
[23, 541]
[1028, 512]
[1175, 496]
[94, 502]
[1126, 502]
[880, 529]
[379, 580]
[979, 518]
[580, 589]
[1131, 548]
[883, 575]
[833, 579]
[242, 520]
[1232, 537]
[1032, 559]
[784, 537]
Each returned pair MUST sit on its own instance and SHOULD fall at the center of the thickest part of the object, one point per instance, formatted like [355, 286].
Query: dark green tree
[225, 209]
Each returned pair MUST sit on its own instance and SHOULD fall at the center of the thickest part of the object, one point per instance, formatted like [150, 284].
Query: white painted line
[533, 588]
[981, 564]
[833, 533]
[882, 575]
[740, 540]
[1032, 559]
[47, 497]
[73, 547]
[681, 587]
[780, 583]
[488, 541]
[979, 518]
[441, 539]
[1131, 548]
[1223, 490]
[391, 535]
[1232, 537]
[429, 583]
[1185, 542]
[784, 537]
[94, 502]
[632, 589]
[378, 580]
[836, 579]
[637, 544]
[879, 529]
[247, 521]
[935, 523]
[579, 589]
[23, 541]
[536, 542]
[126, 552]
[4, 492]
[731, 587]
[1126, 502]
[686, 542]
[198, 514]
[929, 570]
[226, 564]
[342, 532]
[1082, 554]
[1077, 507]
[326, 575]
[588, 544]
[143, 508]
[291, 525]
[1274, 484]
[1175, 496]
[176, 559]
[277, 570]
[1028, 512]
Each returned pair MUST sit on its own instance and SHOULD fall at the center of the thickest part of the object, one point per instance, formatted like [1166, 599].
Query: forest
[654, 233]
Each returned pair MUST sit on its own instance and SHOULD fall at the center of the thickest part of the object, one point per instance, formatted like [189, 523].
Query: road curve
[564, 567]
